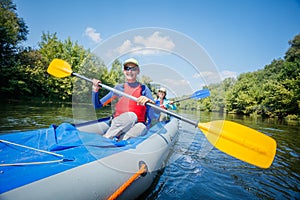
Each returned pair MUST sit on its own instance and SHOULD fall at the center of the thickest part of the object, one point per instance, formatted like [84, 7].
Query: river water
[195, 170]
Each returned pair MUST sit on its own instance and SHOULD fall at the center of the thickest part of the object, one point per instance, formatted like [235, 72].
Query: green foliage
[277, 99]
[243, 96]
[91, 67]
[114, 75]
[273, 91]
[146, 80]
[293, 54]
[13, 31]
[29, 77]
[50, 47]
[216, 102]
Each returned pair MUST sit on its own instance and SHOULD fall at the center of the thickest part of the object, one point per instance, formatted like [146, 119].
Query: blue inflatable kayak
[74, 162]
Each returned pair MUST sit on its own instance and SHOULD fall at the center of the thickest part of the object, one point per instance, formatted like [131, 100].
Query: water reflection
[22, 116]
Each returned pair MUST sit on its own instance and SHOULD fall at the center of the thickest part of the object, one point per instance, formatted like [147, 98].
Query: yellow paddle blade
[59, 68]
[240, 142]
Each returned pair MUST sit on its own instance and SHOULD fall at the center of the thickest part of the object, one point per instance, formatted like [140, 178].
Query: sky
[237, 35]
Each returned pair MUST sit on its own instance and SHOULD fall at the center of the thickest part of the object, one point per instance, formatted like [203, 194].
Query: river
[195, 169]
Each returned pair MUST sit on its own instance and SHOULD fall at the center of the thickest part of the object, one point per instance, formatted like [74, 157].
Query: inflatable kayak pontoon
[73, 162]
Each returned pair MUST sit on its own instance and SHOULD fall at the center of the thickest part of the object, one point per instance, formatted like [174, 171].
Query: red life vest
[127, 105]
[161, 104]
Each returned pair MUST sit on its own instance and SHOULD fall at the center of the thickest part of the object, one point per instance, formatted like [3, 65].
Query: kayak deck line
[34, 149]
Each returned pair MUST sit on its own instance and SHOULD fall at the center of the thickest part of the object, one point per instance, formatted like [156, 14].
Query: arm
[148, 94]
[146, 97]
[99, 103]
[95, 100]
[95, 94]
[151, 113]
[169, 104]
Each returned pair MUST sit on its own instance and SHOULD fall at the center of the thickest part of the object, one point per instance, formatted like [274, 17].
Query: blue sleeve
[99, 103]
[151, 112]
[157, 102]
[148, 93]
[95, 100]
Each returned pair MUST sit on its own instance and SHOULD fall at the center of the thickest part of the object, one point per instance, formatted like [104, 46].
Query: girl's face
[161, 94]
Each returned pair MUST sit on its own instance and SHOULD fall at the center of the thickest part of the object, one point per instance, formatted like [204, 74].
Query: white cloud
[125, 47]
[207, 75]
[146, 45]
[228, 74]
[155, 41]
[181, 82]
[213, 77]
[177, 87]
[92, 34]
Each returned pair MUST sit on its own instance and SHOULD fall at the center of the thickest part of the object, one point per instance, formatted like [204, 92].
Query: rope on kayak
[120, 190]
[34, 149]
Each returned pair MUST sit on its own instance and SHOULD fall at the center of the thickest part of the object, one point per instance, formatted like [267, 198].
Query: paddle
[234, 139]
[200, 94]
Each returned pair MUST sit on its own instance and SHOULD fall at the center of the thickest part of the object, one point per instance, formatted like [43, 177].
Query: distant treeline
[272, 91]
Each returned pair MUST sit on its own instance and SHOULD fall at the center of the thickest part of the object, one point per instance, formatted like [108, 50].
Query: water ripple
[199, 173]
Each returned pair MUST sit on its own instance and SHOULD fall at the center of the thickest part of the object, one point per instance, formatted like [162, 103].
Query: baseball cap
[131, 60]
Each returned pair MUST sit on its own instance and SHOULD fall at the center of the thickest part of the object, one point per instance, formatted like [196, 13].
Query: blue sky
[238, 35]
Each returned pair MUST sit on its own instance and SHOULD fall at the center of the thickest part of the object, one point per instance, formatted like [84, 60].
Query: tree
[74, 54]
[243, 97]
[146, 80]
[277, 99]
[117, 71]
[91, 67]
[13, 31]
[293, 54]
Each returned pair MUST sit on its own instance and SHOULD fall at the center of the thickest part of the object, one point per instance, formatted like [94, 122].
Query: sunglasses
[161, 91]
[127, 68]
